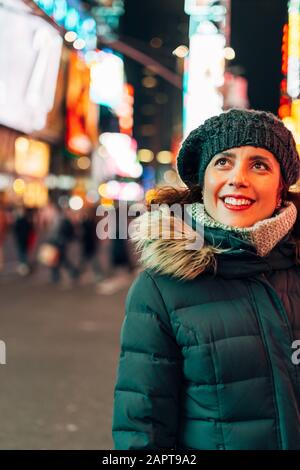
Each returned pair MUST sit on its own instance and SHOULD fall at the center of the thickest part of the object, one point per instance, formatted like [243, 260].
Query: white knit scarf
[264, 234]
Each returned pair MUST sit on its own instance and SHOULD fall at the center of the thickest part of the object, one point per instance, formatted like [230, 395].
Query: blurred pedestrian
[23, 228]
[61, 234]
[89, 244]
[120, 256]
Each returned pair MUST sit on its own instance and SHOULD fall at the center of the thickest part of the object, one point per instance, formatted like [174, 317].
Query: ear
[281, 193]
[278, 197]
[281, 187]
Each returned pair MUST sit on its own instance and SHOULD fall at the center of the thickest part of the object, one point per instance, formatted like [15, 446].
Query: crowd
[45, 236]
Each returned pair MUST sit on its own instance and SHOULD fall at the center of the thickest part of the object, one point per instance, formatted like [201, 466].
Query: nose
[238, 177]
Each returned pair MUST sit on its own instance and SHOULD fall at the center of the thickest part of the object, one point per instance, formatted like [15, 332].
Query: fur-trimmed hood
[167, 245]
[170, 245]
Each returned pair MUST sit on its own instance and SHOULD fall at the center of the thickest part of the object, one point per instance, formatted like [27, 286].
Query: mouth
[237, 203]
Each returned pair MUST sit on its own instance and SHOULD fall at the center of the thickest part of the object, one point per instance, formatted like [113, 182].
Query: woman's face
[242, 186]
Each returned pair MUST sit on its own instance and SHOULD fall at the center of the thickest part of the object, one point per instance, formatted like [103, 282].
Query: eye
[221, 161]
[262, 165]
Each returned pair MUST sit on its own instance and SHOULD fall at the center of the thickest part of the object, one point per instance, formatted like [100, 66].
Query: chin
[239, 222]
[243, 223]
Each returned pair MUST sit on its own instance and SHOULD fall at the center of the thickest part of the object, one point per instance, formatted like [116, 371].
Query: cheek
[265, 193]
[212, 184]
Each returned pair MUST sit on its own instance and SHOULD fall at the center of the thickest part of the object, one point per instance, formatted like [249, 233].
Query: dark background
[256, 34]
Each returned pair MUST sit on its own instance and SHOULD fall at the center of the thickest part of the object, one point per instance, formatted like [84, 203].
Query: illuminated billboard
[29, 65]
[31, 157]
[205, 64]
[293, 77]
[107, 79]
[203, 98]
[212, 9]
[289, 109]
[116, 155]
[82, 114]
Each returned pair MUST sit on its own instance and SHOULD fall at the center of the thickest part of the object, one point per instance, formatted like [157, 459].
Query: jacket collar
[242, 260]
[264, 234]
[223, 253]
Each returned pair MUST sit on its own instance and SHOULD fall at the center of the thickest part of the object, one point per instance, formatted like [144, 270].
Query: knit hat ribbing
[236, 128]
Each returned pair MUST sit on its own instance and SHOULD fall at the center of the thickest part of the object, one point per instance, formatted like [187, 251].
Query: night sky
[256, 35]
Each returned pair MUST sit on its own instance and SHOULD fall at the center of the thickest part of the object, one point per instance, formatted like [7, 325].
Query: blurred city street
[62, 347]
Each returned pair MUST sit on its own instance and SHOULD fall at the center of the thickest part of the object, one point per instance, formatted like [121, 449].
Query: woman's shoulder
[164, 293]
[145, 286]
[147, 297]
[154, 280]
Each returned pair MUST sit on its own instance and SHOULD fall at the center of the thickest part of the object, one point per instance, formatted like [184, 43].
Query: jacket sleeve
[146, 399]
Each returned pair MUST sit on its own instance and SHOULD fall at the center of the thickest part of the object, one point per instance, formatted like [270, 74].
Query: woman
[207, 342]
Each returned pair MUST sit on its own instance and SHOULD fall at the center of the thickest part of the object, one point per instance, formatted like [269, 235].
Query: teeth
[237, 202]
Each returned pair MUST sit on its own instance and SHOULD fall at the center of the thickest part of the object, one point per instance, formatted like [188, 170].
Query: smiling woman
[206, 343]
[242, 186]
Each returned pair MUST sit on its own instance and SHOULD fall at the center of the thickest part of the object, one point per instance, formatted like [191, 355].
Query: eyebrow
[252, 158]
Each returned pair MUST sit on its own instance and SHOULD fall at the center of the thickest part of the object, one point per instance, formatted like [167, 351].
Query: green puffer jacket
[206, 363]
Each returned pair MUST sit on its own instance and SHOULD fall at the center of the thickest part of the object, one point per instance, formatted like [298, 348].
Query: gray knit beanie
[236, 128]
